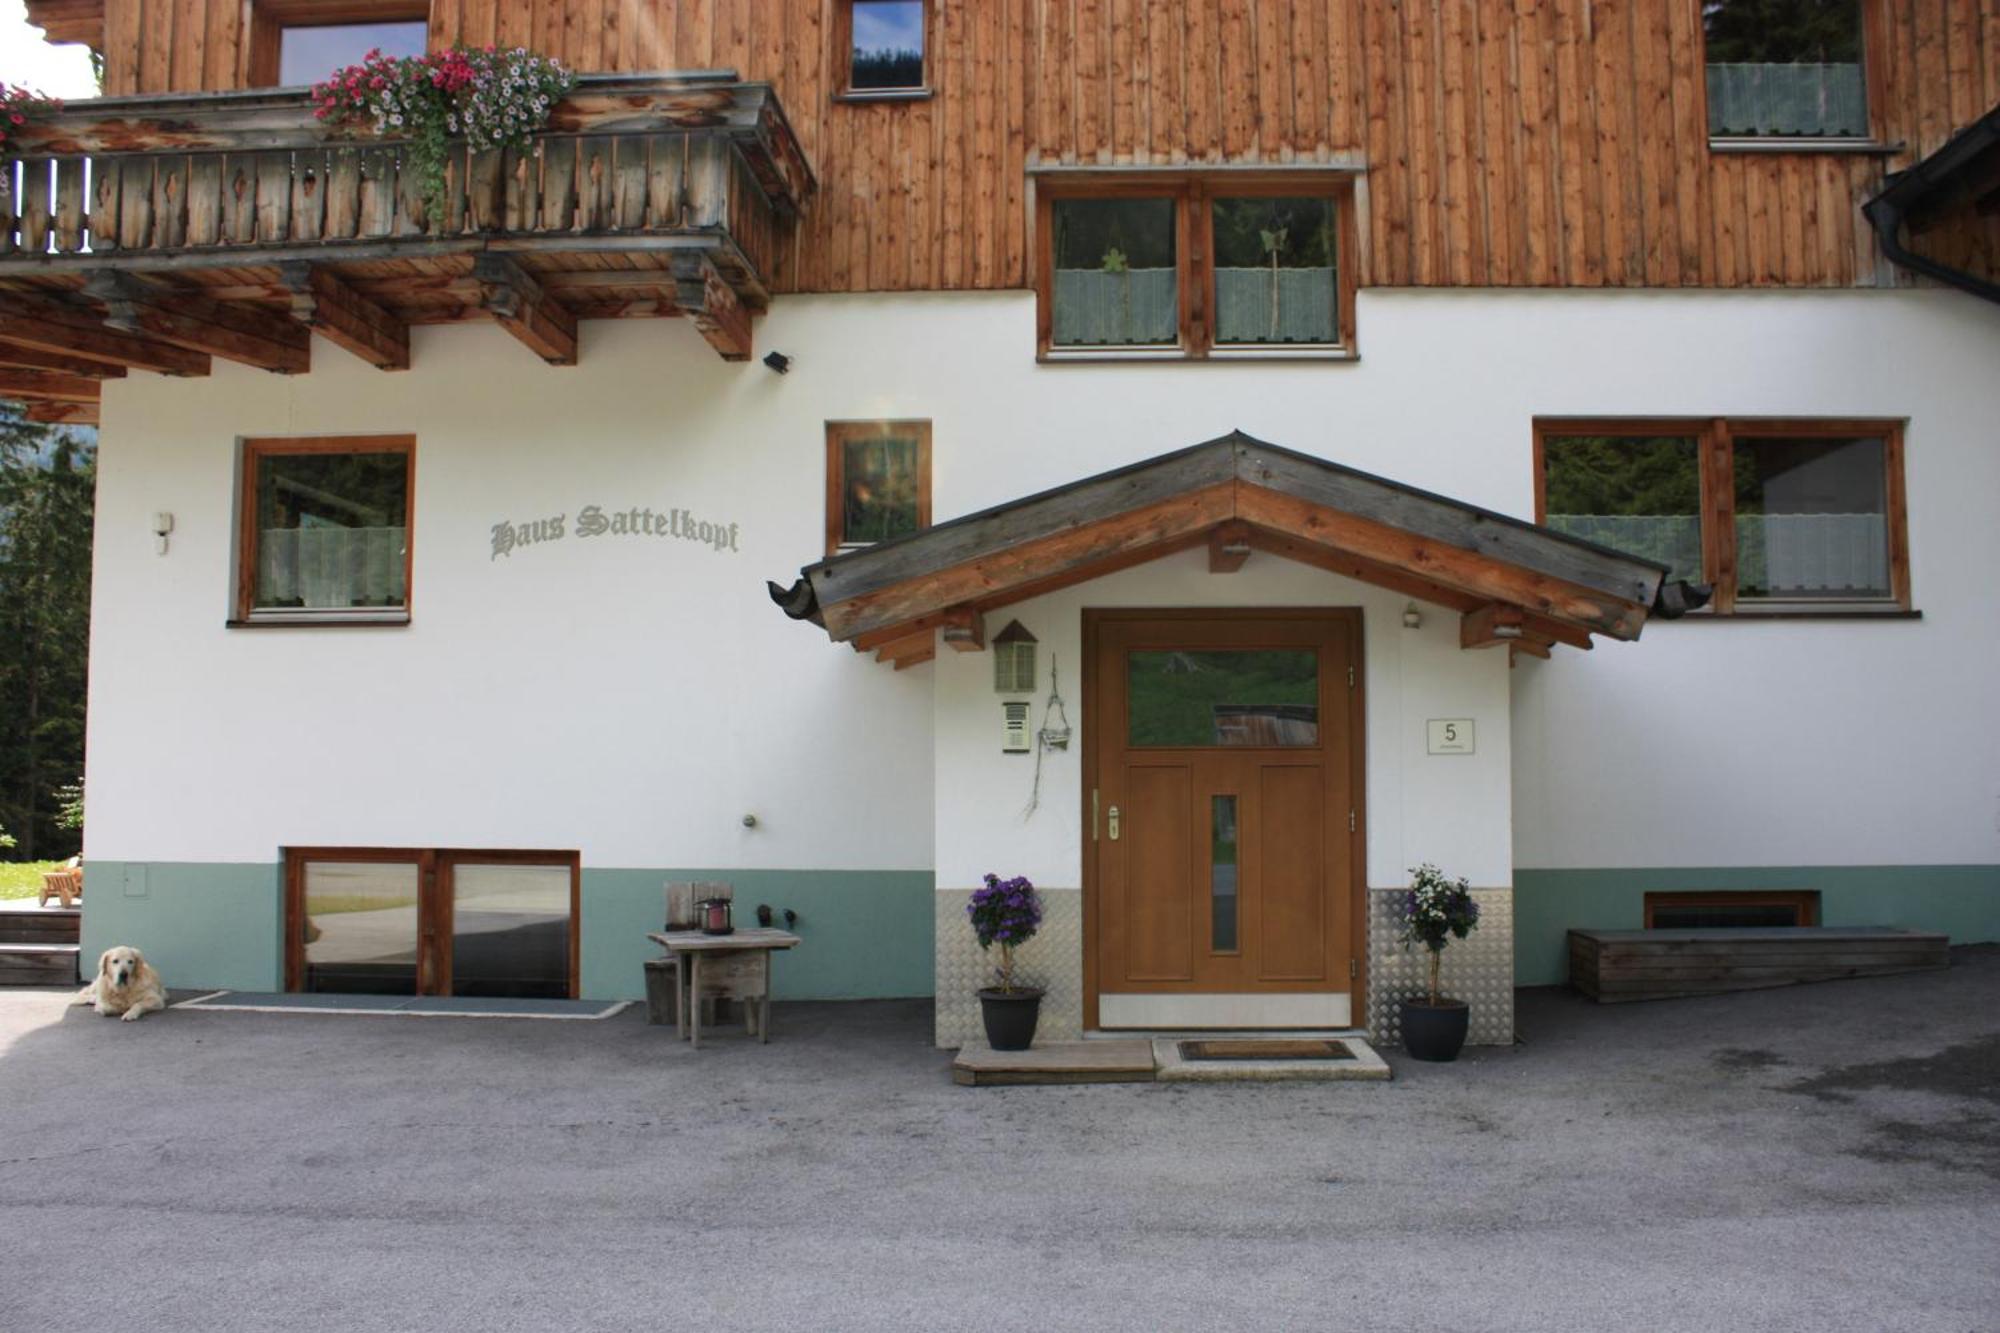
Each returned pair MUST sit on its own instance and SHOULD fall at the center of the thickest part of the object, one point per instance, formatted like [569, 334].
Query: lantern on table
[715, 916]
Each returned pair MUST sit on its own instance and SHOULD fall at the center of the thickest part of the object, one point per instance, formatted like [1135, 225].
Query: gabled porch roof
[1514, 583]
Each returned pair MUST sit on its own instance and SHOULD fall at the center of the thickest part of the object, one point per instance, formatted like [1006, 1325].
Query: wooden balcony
[157, 232]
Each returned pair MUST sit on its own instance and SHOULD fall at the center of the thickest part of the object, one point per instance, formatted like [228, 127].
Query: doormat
[1266, 1049]
[416, 1006]
[1266, 1059]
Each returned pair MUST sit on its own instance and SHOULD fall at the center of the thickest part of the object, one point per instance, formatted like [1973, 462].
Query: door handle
[1111, 822]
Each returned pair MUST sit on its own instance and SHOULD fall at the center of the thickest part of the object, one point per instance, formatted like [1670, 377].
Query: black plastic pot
[1010, 1016]
[1435, 1032]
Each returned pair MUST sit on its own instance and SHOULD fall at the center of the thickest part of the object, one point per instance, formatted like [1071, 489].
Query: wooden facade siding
[1536, 143]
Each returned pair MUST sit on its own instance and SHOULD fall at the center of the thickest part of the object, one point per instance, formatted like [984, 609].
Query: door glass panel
[1222, 874]
[361, 927]
[510, 930]
[1811, 519]
[1238, 697]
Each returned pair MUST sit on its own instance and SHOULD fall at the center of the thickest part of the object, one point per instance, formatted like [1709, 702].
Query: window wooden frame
[270, 18]
[1805, 902]
[843, 60]
[434, 899]
[838, 435]
[244, 610]
[1875, 88]
[1717, 436]
[1192, 192]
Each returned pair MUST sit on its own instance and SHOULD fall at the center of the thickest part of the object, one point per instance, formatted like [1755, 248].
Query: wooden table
[739, 969]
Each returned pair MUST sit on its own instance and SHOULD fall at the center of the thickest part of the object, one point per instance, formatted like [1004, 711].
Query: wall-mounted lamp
[1412, 618]
[163, 523]
[778, 361]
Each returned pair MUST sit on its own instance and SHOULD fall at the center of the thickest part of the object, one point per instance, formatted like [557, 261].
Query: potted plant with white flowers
[1434, 911]
[1007, 912]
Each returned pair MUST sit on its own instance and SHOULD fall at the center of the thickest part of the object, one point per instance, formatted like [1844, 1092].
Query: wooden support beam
[512, 296]
[75, 330]
[17, 357]
[915, 659]
[1530, 647]
[62, 414]
[1489, 625]
[48, 385]
[712, 304]
[965, 629]
[323, 302]
[1228, 548]
[921, 645]
[251, 335]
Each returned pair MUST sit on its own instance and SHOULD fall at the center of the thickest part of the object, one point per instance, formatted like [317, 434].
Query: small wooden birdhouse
[1013, 651]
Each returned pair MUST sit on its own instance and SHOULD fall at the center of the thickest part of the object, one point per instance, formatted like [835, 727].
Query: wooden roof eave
[1291, 504]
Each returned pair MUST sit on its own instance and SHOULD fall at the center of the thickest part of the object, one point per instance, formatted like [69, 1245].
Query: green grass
[23, 879]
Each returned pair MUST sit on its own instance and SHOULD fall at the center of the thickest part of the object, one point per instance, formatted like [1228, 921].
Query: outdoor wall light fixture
[1412, 618]
[163, 523]
[778, 361]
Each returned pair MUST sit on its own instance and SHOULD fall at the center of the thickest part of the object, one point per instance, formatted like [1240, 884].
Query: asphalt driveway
[1824, 1157]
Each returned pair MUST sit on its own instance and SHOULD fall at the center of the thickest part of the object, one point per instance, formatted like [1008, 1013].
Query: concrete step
[1259, 1057]
[39, 965]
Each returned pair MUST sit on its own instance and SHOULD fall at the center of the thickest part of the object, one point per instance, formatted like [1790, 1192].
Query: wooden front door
[1223, 838]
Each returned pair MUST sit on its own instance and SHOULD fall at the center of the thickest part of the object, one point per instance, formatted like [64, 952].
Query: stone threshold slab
[1147, 1060]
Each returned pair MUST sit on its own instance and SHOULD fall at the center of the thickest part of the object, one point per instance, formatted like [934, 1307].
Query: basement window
[323, 533]
[1747, 909]
[1778, 516]
[878, 482]
[1793, 72]
[1200, 266]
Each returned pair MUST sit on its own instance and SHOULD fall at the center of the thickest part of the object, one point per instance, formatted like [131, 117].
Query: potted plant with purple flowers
[1007, 912]
[1434, 911]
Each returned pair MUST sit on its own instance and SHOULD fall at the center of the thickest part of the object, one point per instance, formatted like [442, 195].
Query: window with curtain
[1785, 69]
[325, 533]
[878, 481]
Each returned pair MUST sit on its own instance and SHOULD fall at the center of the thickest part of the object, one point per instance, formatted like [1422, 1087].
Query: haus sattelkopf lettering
[1151, 418]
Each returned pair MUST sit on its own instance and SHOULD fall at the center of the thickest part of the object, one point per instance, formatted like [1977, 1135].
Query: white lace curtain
[328, 567]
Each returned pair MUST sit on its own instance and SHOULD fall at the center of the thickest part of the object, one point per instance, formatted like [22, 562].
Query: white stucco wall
[636, 696]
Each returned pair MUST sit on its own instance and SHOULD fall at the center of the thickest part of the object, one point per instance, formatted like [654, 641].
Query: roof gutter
[1908, 191]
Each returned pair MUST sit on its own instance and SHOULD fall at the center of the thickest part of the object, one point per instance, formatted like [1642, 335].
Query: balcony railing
[677, 161]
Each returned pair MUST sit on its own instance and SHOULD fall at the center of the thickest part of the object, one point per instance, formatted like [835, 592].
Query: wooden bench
[1614, 965]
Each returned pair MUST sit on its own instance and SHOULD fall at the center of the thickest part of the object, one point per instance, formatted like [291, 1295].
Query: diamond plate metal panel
[1478, 969]
[1052, 960]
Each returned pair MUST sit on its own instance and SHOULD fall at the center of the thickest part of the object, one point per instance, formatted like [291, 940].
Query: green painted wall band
[1962, 901]
[867, 933]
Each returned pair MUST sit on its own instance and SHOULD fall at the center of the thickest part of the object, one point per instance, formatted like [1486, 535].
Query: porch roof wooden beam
[323, 302]
[78, 330]
[964, 629]
[48, 385]
[911, 647]
[1228, 548]
[707, 298]
[1489, 626]
[514, 298]
[250, 335]
[62, 414]
[19, 357]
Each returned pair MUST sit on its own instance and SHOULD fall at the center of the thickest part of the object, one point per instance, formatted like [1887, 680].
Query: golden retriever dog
[126, 985]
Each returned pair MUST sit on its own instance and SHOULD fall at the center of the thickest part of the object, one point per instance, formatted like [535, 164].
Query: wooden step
[39, 965]
[1617, 965]
[49, 925]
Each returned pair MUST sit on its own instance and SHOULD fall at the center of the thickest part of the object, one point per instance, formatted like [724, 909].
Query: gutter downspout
[1887, 219]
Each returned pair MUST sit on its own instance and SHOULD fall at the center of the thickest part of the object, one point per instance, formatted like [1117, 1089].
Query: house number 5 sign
[1450, 735]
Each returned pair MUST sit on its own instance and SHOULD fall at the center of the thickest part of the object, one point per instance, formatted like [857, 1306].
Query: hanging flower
[492, 99]
[19, 105]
